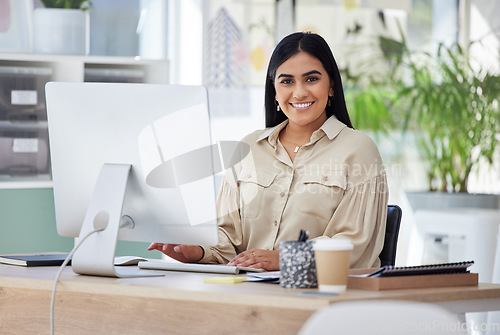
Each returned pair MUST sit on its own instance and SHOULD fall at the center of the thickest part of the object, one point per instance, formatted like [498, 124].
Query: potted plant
[62, 27]
[68, 4]
[453, 110]
[450, 105]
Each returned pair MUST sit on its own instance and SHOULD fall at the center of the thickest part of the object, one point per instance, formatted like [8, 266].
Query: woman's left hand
[258, 258]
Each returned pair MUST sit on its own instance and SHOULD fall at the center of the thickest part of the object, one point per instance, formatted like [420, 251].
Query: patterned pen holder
[297, 265]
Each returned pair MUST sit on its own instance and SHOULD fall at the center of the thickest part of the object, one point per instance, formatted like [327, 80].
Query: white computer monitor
[138, 153]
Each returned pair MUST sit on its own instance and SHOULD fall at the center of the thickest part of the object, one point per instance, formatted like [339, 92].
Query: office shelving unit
[24, 150]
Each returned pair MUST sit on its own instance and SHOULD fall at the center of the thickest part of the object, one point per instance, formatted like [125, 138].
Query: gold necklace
[297, 147]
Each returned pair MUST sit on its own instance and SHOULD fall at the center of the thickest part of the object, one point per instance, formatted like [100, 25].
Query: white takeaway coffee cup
[332, 263]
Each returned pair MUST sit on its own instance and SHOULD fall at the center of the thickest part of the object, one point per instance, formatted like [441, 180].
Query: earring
[278, 106]
[330, 101]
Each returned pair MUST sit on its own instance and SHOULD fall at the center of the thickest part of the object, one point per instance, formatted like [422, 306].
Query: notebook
[34, 259]
[56, 259]
[195, 267]
[431, 269]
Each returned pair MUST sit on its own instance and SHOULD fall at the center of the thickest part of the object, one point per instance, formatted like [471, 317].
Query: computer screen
[131, 153]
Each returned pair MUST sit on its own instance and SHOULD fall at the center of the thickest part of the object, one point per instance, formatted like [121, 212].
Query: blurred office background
[225, 45]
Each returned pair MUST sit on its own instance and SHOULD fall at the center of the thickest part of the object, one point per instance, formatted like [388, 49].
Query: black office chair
[388, 254]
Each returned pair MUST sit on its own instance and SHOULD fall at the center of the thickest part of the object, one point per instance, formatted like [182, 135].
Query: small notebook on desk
[431, 269]
[34, 259]
[195, 267]
[56, 259]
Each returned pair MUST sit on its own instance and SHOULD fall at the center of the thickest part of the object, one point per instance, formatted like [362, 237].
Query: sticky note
[225, 280]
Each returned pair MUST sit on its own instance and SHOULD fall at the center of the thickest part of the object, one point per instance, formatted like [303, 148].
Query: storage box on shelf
[24, 150]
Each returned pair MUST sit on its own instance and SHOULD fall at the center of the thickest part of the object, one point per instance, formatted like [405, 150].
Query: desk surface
[181, 303]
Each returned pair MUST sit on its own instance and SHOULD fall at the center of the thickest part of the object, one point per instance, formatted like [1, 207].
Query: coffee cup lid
[332, 244]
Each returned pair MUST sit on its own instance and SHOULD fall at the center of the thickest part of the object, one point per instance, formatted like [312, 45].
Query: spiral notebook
[431, 269]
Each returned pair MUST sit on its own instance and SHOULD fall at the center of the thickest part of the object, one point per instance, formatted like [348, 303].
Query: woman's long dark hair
[316, 46]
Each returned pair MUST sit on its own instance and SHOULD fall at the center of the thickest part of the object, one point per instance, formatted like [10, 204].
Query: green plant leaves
[67, 4]
[451, 106]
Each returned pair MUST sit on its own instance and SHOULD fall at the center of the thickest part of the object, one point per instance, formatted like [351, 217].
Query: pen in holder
[297, 263]
[303, 235]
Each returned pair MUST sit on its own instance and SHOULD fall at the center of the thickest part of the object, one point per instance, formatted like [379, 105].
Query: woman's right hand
[181, 252]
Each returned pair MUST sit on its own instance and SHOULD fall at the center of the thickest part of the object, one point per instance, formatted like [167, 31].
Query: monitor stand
[96, 255]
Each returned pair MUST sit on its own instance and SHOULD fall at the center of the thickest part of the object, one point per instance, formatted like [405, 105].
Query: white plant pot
[443, 201]
[61, 31]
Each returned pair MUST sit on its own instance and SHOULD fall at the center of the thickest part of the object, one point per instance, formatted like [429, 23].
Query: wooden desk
[181, 303]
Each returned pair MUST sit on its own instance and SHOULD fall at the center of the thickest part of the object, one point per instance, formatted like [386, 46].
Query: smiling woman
[316, 47]
[309, 169]
[303, 89]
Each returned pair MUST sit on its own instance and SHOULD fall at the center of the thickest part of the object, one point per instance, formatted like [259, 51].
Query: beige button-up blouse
[336, 187]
